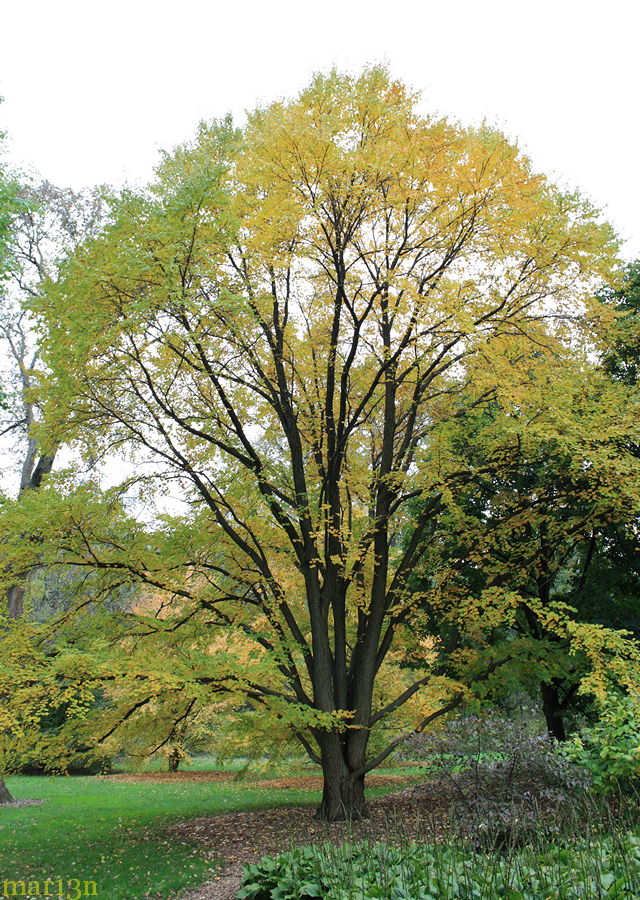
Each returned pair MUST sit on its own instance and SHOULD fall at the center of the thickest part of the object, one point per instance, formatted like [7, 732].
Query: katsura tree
[275, 331]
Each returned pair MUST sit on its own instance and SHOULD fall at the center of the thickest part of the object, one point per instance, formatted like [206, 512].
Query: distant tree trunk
[5, 796]
[15, 601]
[552, 709]
[174, 760]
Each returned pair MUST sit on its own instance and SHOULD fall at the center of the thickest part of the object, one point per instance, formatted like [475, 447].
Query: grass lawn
[111, 832]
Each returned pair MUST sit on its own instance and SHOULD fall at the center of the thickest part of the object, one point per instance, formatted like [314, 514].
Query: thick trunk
[174, 760]
[552, 710]
[342, 796]
[342, 792]
[5, 796]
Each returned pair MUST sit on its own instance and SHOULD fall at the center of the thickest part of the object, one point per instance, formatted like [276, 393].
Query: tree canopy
[284, 329]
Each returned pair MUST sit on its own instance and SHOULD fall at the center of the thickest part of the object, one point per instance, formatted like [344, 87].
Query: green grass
[112, 832]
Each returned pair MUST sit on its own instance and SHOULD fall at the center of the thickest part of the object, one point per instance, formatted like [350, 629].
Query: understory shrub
[504, 779]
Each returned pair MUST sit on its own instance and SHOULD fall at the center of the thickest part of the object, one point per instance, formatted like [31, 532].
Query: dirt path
[246, 836]
[224, 887]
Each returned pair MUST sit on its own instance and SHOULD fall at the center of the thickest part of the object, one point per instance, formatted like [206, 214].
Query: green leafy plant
[610, 749]
[603, 868]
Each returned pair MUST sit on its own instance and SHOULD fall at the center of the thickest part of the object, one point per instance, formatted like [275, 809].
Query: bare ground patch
[246, 836]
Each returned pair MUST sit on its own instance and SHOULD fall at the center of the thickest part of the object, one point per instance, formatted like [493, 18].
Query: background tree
[279, 327]
[39, 223]
[623, 359]
[9, 205]
[533, 537]
[48, 223]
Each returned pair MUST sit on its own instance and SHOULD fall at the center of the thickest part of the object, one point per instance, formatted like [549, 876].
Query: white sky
[93, 89]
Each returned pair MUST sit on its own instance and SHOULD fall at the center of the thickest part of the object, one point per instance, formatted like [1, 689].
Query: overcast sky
[93, 89]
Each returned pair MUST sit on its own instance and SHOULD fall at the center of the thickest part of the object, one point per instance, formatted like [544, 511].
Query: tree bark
[552, 709]
[32, 476]
[343, 790]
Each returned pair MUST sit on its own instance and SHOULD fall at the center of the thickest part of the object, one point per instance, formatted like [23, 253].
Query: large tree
[279, 328]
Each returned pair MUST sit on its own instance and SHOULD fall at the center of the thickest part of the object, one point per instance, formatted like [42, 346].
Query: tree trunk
[552, 710]
[174, 760]
[15, 601]
[5, 796]
[342, 792]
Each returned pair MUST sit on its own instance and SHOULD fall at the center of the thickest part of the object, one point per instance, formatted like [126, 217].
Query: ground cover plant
[517, 817]
[608, 867]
